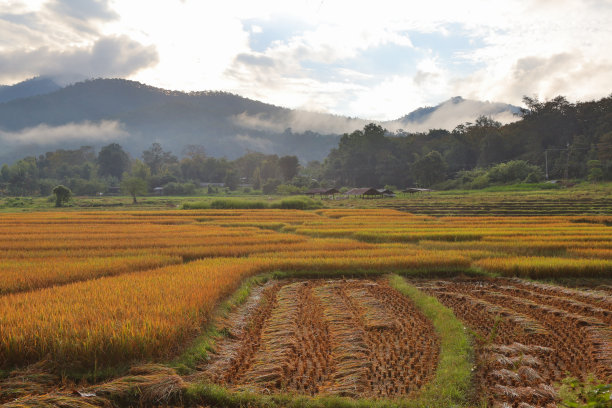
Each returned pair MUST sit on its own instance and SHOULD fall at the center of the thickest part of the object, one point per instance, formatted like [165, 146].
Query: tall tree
[23, 177]
[289, 166]
[430, 169]
[156, 158]
[134, 186]
[113, 161]
[231, 180]
[192, 151]
[62, 195]
[356, 160]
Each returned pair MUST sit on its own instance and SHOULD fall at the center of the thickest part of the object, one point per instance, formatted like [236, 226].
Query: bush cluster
[293, 203]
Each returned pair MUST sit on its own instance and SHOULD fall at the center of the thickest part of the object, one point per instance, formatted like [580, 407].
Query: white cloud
[398, 95]
[107, 57]
[504, 49]
[65, 37]
[301, 121]
[44, 134]
[537, 50]
[501, 37]
[447, 116]
[196, 42]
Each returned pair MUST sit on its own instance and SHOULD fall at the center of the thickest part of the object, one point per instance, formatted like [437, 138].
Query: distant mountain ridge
[459, 109]
[43, 116]
[30, 87]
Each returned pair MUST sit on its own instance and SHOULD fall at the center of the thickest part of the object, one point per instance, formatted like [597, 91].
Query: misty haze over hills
[40, 115]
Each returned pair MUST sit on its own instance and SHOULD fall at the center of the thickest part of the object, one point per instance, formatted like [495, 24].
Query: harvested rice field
[287, 308]
[543, 333]
[356, 338]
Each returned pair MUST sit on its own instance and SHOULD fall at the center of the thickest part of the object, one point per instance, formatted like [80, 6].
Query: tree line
[86, 173]
[554, 138]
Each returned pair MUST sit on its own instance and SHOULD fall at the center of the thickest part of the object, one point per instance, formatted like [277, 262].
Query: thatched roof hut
[365, 192]
[322, 192]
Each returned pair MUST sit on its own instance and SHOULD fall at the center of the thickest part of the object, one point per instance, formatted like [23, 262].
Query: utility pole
[546, 158]
[566, 172]
[568, 149]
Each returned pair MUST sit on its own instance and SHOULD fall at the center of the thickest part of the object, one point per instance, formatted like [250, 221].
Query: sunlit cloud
[376, 60]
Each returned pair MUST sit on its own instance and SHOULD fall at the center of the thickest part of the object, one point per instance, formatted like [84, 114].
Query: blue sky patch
[273, 30]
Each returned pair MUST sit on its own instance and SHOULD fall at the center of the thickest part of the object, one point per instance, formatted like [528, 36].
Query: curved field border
[450, 387]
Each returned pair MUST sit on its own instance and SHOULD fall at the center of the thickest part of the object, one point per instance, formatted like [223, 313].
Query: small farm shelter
[323, 192]
[386, 192]
[413, 190]
[365, 192]
[158, 190]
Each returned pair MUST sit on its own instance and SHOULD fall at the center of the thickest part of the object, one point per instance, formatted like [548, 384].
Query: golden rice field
[89, 293]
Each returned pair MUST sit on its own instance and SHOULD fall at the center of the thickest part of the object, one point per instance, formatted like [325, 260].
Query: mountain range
[41, 114]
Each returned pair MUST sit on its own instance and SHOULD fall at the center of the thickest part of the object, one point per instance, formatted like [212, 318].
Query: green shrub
[19, 202]
[479, 182]
[532, 178]
[198, 205]
[62, 195]
[270, 186]
[288, 189]
[293, 203]
[513, 171]
[174, 188]
[590, 393]
[297, 203]
[86, 187]
[237, 204]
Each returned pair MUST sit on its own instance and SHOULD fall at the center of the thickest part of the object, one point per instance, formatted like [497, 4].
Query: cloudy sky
[376, 59]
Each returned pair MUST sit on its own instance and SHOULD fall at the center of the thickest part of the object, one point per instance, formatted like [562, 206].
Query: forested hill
[570, 141]
[136, 115]
[97, 112]
[574, 139]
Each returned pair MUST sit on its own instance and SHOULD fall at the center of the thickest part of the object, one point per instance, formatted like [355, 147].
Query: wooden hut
[323, 192]
[365, 192]
[386, 192]
[413, 190]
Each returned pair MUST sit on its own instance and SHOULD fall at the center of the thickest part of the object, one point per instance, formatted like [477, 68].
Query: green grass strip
[451, 385]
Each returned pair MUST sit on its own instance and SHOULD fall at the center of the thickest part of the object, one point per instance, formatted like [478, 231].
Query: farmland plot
[357, 338]
[86, 295]
[530, 335]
